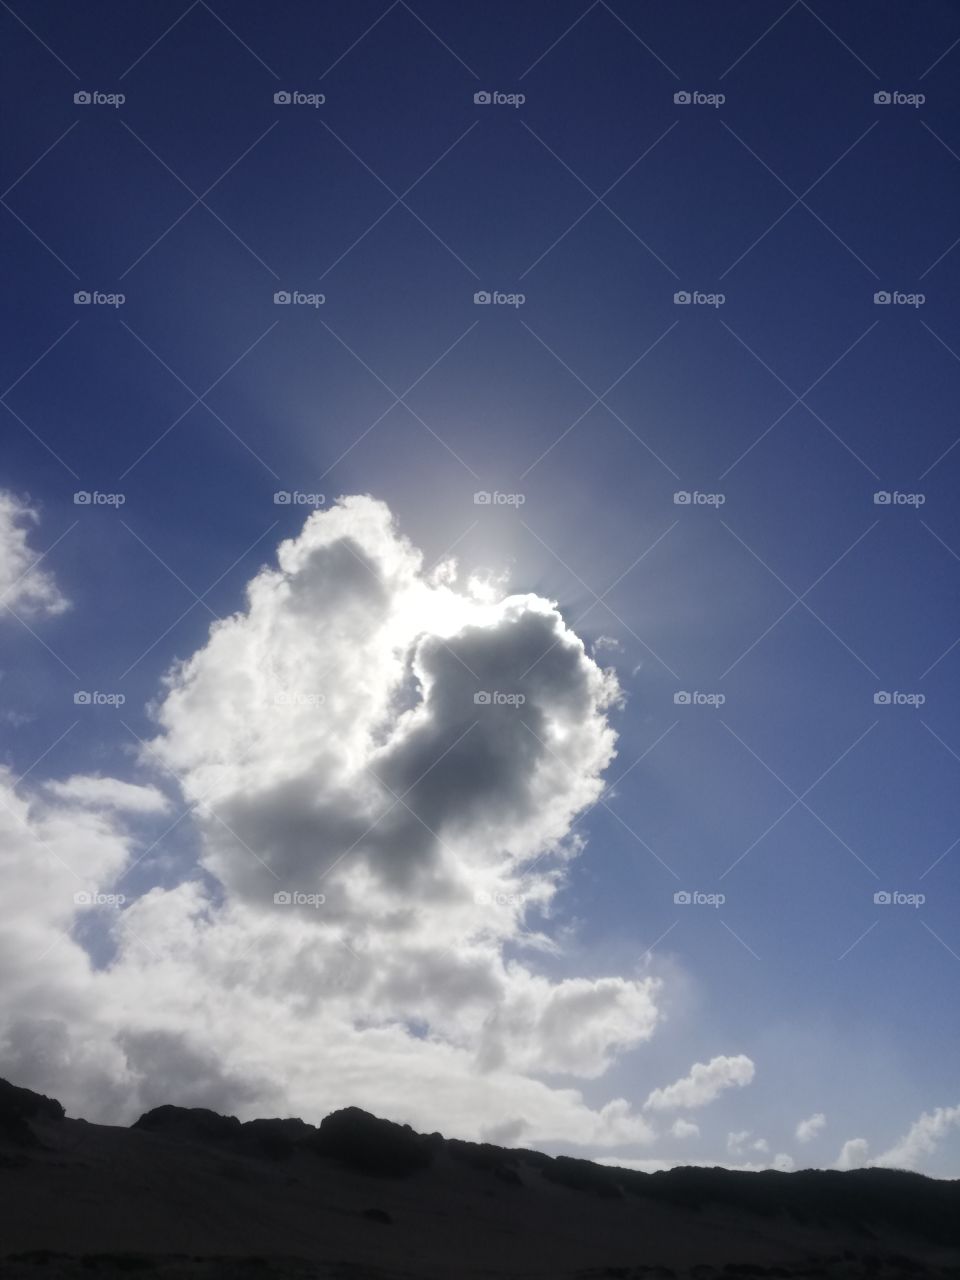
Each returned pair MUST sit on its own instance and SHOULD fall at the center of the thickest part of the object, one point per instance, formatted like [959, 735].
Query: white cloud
[705, 1082]
[109, 793]
[921, 1139]
[607, 642]
[853, 1154]
[685, 1129]
[330, 740]
[24, 586]
[741, 1142]
[808, 1129]
[656, 1164]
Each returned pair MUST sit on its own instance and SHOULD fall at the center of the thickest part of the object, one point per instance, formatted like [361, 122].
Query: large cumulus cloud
[383, 765]
[381, 733]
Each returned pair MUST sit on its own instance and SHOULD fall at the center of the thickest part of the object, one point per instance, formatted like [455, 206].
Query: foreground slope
[187, 1193]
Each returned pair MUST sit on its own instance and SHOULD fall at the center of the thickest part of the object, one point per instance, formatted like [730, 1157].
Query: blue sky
[783, 397]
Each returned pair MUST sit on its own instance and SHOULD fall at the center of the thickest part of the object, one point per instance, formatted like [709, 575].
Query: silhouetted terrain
[189, 1193]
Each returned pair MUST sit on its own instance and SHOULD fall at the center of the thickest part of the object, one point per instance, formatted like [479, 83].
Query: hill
[187, 1194]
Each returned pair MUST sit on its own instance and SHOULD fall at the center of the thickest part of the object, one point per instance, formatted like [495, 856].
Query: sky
[479, 565]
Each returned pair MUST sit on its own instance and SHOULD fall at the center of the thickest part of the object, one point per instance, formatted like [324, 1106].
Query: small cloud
[16, 719]
[706, 1081]
[607, 642]
[109, 793]
[808, 1129]
[685, 1129]
[921, 1139]
[853, 1154]
[740, 1143]
[24, 586]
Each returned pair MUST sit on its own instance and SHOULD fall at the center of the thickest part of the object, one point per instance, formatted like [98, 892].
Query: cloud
[607, 642]
[685, 1129]
[110, 793]
[24, 587]
[397, 737]
[808, 1129]
[741, 1142]
[921, 1139]
[657, 1164]
[853, 1154]
[705, 1082]
[381, 853]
